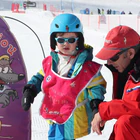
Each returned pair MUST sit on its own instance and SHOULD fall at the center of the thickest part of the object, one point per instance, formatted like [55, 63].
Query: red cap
[117, 39]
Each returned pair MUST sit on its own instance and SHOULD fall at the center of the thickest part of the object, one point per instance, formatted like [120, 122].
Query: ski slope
[39, 21]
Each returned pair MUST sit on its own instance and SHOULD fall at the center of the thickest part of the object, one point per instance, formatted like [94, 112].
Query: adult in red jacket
[122, 52]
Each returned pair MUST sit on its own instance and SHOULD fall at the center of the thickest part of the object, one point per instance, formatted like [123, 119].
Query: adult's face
[123, 60]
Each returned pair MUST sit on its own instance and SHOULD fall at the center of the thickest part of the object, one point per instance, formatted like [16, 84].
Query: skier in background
[71, 82]
[121, 50]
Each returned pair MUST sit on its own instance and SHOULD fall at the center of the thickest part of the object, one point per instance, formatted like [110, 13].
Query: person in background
[99, 11]
[130, 13]
[24, 5]
[122, 52]
[102, 12]
[71, 82]
[122, 13]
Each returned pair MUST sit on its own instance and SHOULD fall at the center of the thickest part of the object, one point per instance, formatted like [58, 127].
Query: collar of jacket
[133, 68]
[135, 72]
[83, 56]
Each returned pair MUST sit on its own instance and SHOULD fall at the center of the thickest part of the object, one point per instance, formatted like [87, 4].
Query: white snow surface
[94, 34]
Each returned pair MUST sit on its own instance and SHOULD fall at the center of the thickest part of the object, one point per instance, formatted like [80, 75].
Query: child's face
[66, 47]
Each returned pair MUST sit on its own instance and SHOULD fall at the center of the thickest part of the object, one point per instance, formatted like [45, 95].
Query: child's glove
[29, 93]
[94, 103]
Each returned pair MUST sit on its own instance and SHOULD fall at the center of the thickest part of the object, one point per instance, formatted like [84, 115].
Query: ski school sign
[5, 44]
[15, 123]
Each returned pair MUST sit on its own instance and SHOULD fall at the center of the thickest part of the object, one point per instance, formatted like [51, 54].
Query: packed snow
[94, 34]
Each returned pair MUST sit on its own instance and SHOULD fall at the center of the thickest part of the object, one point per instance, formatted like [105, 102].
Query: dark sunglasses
[69, 40]
[116, 57]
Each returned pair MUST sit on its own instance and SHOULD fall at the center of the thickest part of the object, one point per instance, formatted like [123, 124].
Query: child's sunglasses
[116, 57]
[69, 40]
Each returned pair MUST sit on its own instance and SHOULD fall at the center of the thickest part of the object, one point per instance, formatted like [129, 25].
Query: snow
[118, 5]
[94, 34]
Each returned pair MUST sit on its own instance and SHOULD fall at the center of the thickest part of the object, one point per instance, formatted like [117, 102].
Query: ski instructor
[122, 52]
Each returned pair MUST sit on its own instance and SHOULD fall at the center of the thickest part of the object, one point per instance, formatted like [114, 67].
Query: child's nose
[66, 42]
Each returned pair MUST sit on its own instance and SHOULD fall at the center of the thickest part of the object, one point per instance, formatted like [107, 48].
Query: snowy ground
[40, 21]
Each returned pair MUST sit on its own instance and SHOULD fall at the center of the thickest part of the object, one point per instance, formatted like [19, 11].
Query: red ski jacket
[129, 104]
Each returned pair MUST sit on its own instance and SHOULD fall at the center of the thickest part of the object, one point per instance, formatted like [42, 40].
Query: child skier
[72, 83]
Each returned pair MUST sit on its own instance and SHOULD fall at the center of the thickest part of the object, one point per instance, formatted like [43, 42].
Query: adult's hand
[97, 123]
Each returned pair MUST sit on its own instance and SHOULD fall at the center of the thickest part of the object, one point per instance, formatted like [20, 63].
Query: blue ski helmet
[66, 23]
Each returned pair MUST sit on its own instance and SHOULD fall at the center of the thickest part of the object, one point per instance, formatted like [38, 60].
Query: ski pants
[127, 127]
[56, 132]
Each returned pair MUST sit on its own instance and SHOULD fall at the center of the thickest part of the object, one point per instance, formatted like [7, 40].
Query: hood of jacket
[85, 55]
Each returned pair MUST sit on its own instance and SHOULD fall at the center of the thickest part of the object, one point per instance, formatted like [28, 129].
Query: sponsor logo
[48, 78]
[108, 41]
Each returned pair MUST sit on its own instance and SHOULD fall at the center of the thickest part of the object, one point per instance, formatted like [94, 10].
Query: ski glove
[29, 93]
[94, 103]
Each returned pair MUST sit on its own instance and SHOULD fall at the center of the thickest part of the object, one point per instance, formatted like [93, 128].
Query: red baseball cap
[117, 39]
